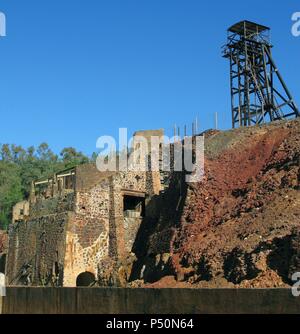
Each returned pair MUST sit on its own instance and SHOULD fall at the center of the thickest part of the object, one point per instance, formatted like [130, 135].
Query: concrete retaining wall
[22, 300]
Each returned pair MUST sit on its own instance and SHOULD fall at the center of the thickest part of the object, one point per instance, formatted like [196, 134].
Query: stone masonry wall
[87, 240]
[122, 235]
[97, 229]
[53, 205]
[36, 251]
[71, 233]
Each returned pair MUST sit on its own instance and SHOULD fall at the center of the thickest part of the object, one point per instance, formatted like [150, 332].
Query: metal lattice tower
[258, 91]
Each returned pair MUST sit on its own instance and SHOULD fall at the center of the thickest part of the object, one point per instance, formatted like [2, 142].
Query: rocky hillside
[239, 226]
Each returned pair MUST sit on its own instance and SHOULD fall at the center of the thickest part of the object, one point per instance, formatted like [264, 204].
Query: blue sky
[73, 70]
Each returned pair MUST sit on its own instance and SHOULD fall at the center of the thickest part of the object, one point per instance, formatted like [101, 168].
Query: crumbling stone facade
[3, 250]
[76, 220]
[20, 211]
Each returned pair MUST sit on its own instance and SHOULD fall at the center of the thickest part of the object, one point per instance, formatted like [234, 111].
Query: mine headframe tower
[258, 91]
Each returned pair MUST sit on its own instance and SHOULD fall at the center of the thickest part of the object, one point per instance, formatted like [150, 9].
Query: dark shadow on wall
[2, 263]
[163, 214]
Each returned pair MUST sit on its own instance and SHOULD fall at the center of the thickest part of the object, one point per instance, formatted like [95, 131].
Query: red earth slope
[239, 226]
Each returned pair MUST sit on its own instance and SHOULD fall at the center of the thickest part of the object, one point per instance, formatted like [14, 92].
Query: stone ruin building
[79, 222]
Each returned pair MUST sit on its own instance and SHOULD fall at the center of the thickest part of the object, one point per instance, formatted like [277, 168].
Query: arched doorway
[85, 279]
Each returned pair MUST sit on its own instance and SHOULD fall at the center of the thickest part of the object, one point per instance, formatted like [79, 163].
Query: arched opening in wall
[85, 279]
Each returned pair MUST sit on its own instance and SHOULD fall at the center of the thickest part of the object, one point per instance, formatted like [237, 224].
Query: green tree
[6, 153]
[44, 153]
[19, 167]
[18, 153]
[71, 157]
[10, 191]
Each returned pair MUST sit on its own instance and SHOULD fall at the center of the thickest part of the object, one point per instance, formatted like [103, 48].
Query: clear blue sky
[73, 70]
